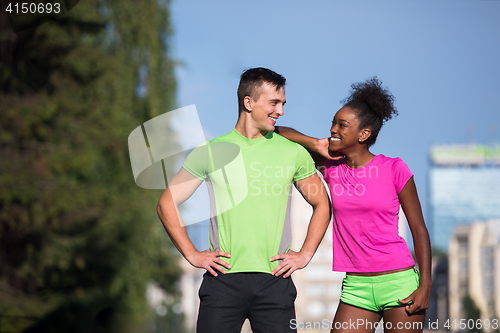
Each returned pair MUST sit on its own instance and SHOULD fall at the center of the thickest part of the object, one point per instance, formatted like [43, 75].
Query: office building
[464, 183]
[474, 268]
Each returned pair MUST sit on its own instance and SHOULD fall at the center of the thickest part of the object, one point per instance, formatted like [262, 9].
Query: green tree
[471, 311]
[78, 240]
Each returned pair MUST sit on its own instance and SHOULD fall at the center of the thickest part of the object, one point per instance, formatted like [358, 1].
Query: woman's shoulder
[382, 159]
[394, 165]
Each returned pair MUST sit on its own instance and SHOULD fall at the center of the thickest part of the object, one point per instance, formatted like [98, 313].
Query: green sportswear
[249, 183]
[381, 292]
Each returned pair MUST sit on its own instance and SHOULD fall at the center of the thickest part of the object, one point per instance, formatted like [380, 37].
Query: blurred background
[81, 247]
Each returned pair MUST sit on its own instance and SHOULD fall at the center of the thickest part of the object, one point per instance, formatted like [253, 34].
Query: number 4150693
[471, 324]
[34, 8]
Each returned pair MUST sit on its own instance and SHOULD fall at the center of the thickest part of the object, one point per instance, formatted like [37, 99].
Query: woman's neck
[359, 159]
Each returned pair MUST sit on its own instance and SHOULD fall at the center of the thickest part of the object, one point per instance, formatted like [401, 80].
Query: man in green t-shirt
[249, 172]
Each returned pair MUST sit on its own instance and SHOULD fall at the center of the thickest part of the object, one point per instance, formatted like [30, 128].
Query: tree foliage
[471, 312]
[77, 237]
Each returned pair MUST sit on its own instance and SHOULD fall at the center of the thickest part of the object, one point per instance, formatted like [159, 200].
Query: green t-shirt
[249, 183]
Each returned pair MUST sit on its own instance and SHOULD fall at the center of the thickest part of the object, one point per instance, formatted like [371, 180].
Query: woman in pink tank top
[367, 191]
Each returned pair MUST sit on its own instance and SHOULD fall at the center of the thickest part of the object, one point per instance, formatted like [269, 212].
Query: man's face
[266, 110]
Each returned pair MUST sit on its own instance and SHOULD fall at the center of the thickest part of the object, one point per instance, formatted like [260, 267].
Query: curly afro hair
[374, 106]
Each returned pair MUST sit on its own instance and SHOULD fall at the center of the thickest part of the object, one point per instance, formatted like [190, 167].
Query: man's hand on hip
[210, 260]
[292, 261]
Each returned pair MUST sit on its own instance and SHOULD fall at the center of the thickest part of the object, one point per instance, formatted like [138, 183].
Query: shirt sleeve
[304, 164]
[198, 161]
[401, 174]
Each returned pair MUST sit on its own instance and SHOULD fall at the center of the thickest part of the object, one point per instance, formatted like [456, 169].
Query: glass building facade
[464, 186]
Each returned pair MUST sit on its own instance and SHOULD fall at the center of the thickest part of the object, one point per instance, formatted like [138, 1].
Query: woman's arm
[318, 148]
[410, 203]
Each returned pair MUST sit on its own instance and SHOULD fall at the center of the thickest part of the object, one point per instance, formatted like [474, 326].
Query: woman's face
[345, 132]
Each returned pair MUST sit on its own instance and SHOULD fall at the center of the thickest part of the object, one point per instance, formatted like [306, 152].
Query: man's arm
[314, 192]
[180, 188]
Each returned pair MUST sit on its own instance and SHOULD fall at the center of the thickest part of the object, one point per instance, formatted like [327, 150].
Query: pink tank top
[365, 215]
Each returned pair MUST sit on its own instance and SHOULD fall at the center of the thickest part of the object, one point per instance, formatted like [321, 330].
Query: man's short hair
[252, 79]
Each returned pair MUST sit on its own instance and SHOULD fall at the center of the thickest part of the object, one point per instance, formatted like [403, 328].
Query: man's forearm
[316, 230]
[172, 222]
[170, 217]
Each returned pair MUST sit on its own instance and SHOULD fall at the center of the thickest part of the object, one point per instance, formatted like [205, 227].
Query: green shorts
[379, 293]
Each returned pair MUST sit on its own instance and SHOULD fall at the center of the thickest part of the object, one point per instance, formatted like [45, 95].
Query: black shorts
[228, 299]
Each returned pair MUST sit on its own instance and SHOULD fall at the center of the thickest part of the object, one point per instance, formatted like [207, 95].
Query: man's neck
[245, 128]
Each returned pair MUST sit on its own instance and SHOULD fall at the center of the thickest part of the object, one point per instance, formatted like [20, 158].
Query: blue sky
[439, 58]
